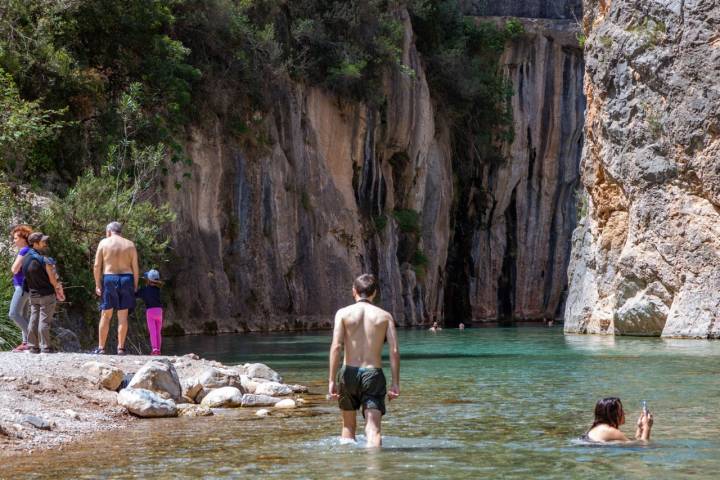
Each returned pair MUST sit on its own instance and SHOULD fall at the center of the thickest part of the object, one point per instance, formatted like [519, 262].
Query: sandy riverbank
[57, 390]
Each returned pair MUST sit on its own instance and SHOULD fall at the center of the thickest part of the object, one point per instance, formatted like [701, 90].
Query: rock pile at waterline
[156, 390]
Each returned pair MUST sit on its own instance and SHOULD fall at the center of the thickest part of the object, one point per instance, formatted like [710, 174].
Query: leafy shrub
[23, 125]
[420, 262]
[408, 220]
[380, 222]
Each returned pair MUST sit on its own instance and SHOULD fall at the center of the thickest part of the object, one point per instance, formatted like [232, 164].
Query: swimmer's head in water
[609, 411]
[365, 286]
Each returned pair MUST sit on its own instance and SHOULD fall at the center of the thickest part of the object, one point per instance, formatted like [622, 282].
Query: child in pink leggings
[150, 294]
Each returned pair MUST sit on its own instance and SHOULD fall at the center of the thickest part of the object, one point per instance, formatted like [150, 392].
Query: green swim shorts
[361, 387]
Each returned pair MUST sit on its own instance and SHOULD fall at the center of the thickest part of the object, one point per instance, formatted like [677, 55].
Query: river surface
[494, 402]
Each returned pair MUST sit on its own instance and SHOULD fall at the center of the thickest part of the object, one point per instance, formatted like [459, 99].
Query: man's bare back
[116, 255]
[364, 329]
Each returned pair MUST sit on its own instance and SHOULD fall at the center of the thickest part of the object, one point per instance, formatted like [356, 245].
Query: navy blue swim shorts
[118, 292]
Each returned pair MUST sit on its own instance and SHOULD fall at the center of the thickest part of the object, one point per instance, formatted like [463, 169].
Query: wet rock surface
[646, 256]
[252, 400]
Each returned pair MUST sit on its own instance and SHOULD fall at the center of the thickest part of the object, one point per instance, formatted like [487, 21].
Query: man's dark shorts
[361, 387]
[118, 292]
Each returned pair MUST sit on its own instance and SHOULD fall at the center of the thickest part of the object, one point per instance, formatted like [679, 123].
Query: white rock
[263, 412]
[287, 403]
[225, 397]
[72, 414]
[249, 385]
[260, 370]
[219, 377]
[145, 403]
[189, 410]
[252, 400]
[273, 389]
[159, 376]
[106, 375]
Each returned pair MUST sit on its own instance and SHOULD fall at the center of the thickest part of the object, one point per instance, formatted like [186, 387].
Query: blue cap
[153, 275]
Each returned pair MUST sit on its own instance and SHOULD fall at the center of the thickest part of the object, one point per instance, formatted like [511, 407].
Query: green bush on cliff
[462, 56]
[344, 45]
[23, 125]
[408, 220]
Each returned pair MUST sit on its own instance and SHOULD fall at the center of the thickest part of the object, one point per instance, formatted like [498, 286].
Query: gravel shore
[47, 400]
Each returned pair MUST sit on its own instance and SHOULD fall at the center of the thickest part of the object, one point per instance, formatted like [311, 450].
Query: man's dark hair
[365, 285]
[36, 237]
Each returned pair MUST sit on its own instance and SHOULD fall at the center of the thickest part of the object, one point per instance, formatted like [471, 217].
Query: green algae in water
[508, 403]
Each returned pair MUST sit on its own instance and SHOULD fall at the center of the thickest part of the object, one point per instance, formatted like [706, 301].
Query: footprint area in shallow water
[389, 443]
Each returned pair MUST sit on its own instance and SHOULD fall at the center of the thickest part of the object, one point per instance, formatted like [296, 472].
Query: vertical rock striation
[271, 236]
[520, 244]
[646, 257]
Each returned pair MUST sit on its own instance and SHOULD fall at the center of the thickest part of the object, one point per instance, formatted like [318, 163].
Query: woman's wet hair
[365, 285]
[608, 411]
[23, 231]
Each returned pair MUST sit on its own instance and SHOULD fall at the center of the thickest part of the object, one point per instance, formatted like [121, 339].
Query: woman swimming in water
[609, 415]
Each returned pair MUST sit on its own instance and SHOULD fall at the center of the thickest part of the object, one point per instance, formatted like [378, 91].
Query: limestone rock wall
[646, 257]
[271, 237]
[521, 248]
[555, 9]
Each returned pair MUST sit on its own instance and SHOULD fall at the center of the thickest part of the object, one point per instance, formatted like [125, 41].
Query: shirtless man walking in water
[361, 329]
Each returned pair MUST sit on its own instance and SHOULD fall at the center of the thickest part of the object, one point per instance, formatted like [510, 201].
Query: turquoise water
[507, 403]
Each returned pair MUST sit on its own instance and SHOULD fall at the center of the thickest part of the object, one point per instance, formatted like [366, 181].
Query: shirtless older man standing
[116, 281]
[362, 329]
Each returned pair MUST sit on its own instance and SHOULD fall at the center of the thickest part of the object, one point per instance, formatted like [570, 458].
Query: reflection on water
[590, 343]
[502, 402]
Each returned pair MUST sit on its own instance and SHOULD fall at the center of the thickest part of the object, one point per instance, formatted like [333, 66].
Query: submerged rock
[225, 397]
[252, 400]
[287, 403]
[158, 376]
[190, 410]
[263, 412]
[145, 403]
[260, 370]
[299, 388]
[107, 376]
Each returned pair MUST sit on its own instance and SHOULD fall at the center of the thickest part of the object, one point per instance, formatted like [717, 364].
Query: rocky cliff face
[521, 241]
[272, 237]
[646, 257]
[555, 9]
[276, 236]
